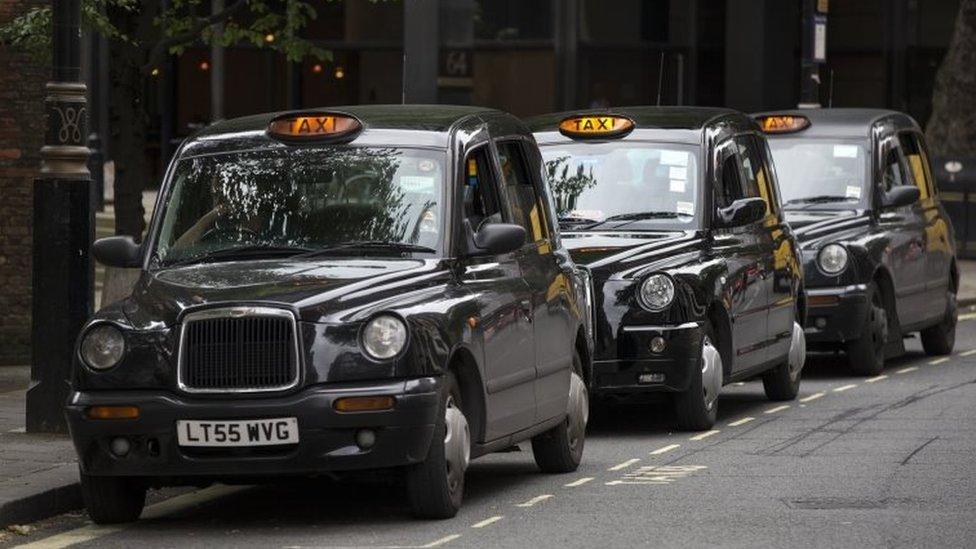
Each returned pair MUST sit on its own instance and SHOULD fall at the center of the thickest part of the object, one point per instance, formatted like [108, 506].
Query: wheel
[436, 485]
[941, 338]
[112, 500]
[783, 381]
[560, 449]
[866, 355]
[697, 407]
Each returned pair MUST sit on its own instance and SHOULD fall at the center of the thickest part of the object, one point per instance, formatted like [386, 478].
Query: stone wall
[22, 81]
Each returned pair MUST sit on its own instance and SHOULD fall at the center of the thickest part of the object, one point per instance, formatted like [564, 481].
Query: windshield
[832, 173]
[638, 184]
[302, 199]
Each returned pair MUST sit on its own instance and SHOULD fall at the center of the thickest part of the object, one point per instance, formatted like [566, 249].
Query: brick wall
[22, 81]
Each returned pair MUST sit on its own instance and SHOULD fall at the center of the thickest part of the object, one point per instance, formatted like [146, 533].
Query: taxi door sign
[314, 127]
[596, 126]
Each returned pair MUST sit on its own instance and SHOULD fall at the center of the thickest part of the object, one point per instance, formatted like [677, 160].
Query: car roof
[680, 124]
[844, 122]
[389, 125]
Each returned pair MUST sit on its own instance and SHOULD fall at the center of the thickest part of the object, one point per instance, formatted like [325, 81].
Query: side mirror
[499, 238]
[901, 196]
[742, 212]
[117, 251]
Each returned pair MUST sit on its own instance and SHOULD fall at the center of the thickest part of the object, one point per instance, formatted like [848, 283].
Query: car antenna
[830, 92]
[660, 78]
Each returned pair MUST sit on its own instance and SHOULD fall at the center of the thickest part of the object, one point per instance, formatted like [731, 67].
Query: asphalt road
[855, 462]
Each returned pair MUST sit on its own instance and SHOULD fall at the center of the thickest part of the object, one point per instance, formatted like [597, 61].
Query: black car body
[365, 228]
[877, 245]
[682, 198]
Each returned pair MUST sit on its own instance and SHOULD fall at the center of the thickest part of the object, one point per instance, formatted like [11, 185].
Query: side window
[728, 180]
[892, 170]
[480, 194]
[918, 162]
[750, 166]
[766, 176]
[524, 202]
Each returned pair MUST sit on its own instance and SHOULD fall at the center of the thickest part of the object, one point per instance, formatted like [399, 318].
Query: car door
[905, 229]
[545, 272]
[502, 294]
[744, 251]
[938, 252]
[782, 265]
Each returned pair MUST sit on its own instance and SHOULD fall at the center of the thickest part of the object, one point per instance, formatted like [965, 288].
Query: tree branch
[163, 46]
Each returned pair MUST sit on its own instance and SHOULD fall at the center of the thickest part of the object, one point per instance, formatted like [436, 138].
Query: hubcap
[711, 371]
[798, 351]
[579, 410]
[457, 443]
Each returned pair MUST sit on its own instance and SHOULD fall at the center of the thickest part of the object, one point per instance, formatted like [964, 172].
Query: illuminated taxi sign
[783, 123]
[313, 127]
[594, 126]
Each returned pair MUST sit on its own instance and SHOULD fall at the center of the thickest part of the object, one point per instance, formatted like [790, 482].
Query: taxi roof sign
[596, 126]
[314, 127]
[785, 123]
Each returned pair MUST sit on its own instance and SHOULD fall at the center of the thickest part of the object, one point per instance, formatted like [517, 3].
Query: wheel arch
[720, 321]
[886, 285]
[465, 369]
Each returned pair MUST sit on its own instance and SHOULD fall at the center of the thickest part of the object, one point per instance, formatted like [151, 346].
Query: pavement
[874, 462]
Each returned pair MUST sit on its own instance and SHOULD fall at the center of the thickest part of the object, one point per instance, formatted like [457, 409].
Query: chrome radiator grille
[236, 350]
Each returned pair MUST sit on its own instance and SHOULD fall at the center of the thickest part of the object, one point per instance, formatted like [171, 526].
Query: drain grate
[836, 503]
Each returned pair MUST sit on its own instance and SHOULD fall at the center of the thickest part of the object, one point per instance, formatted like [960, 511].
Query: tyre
[866, 355]
[560, 449]
[113, 500]
[941, 338]
[436, 485]
[697, 407]
[783, 381]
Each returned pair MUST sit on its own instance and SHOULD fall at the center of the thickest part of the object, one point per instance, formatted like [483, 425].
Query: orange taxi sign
[783, 123]
[596, 126]
[313, 126]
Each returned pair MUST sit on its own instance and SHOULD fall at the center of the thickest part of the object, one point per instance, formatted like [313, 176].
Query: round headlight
[656, 292]
[832, 259]
[102, 347]
[384, 337]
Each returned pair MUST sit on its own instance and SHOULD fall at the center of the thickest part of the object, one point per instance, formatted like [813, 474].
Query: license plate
[250, 432]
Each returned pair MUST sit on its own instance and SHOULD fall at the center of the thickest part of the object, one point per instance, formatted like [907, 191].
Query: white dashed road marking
[656, 474]
[442, 541]
[742, 421]
[777, 409]
[875, 379]
[487, 521]
[537, 499]
[906, 370]
[939, 360]
[968, 353]
[579, 482]
[665, 449]
[705, 435]
[812, 397]
[623, 465]
[845, 388]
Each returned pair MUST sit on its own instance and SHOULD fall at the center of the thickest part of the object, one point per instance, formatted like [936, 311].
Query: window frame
[534, 182]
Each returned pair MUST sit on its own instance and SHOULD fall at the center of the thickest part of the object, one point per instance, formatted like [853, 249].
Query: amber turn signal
[113, 412]
[823, 300]
[364, 404]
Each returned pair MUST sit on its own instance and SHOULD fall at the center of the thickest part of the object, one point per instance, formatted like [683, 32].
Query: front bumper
[836, 315]
[673, 367]
[326, 437]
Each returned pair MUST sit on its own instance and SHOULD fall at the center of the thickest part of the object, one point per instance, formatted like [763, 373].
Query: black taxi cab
[372, 288]
[674, 215]
[877, 244]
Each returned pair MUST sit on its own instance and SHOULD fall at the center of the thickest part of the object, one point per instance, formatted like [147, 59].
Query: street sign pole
[62, 226]
[813, 51]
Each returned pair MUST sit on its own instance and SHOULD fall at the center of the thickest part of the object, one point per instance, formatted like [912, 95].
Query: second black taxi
[372, 289]
[695, 278]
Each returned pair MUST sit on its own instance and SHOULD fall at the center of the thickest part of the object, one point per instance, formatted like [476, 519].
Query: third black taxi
[876, 242]
[694, 275]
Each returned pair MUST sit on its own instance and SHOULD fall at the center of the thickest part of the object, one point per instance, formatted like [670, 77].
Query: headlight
[832, 259]
[102, 347]
[384, 337]
[656, 292]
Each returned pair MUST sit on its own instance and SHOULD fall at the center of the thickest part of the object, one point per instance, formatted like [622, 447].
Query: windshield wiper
[368, 245]
[635, 216]
[819, 199]
[575, 220]
[239, 252]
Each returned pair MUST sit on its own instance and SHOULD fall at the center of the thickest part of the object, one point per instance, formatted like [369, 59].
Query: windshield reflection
[828, 173]
[299, 200]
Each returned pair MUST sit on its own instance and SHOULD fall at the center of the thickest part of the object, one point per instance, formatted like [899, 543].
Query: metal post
[421, 46]
[566, 15]
[809, 63]
[63, 229]
[217, 69]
